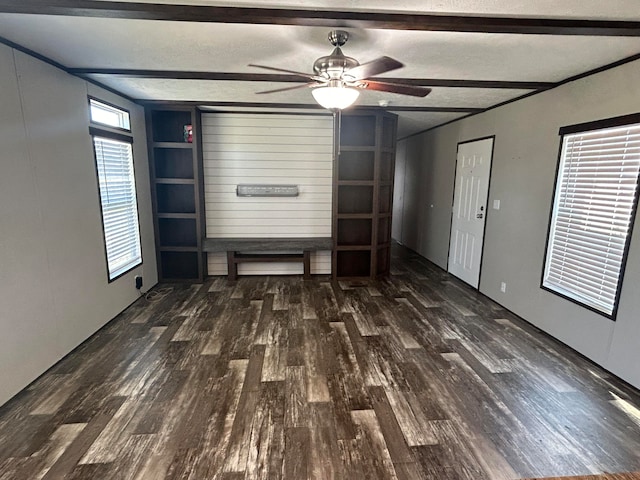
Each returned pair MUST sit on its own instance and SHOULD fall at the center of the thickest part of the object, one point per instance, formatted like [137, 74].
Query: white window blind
[592, 215]
[114, 161]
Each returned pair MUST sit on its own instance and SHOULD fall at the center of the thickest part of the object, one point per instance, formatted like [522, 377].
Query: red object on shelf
[188, 133]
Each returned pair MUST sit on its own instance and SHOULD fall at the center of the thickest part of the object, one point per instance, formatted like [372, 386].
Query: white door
[473, 168]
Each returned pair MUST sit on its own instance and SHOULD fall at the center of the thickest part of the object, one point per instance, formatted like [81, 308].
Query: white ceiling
[116, 43]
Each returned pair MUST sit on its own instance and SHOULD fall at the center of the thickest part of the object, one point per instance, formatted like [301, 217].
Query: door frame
[453, 199]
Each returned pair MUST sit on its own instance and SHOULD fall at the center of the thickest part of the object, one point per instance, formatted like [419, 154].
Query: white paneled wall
[267, 149]
[54, 289]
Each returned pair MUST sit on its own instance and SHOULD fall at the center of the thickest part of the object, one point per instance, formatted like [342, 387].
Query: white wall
[54, 291]
[267, 149]
[523, 173]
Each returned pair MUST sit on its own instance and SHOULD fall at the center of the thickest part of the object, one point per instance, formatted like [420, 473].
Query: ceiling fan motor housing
[333, 66]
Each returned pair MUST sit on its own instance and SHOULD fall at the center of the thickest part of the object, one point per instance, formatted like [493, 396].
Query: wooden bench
[244, 250]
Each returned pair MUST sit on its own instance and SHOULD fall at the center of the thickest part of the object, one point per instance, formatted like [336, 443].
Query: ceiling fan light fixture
[335, 98]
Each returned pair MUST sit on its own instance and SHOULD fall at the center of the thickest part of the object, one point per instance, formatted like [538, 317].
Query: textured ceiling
[90, 43]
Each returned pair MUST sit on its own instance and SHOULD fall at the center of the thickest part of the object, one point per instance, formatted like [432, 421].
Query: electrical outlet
[503, 287]
[138, 282]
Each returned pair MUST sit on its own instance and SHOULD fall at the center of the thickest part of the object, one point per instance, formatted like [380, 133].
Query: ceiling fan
[337, 77]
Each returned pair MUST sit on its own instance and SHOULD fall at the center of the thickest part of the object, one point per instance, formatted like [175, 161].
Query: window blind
[114, 161]
[592, 215]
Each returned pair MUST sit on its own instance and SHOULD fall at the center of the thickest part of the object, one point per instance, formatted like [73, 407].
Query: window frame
[613, 122]
[116, 134]
[106, 125]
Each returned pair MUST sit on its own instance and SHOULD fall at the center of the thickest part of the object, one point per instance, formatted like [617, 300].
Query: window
[108, 115]
[116, 180]
[593, 212]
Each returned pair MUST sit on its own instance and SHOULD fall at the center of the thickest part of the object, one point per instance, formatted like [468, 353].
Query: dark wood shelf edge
[353, 248]
[354, 216]
[176, 215]
[356, 183]
[168, 248]
[172, 145]
[175, 181]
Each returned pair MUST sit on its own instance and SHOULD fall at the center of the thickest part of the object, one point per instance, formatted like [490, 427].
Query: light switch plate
[496, 204]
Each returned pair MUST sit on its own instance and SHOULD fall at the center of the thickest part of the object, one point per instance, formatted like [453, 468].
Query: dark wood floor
[413, 377]
[605, 476]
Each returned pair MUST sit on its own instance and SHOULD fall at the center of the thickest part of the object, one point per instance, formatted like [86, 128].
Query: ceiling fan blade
[394, 88]
[304, 85]
[300, 74]
[372, 68]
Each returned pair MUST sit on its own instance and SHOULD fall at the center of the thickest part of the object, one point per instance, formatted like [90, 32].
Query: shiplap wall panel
[320, 263]
[267, 149]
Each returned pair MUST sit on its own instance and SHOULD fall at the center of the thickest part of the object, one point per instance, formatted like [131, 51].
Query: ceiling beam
[303, 106]
[393, 108]
[285, 78]
[322, 18]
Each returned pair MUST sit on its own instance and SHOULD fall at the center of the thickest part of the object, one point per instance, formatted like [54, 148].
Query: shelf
[356, 183]
[350, 248]
[177, 145]
[354, 215]
[176, 174]
[177, 232]
[355, 199]
[354, 232]
[178, 249]
[168, 125]
[363, 187]
[353, 263]
[175, 181]
[176, 215]
[175, 198]
[180, 265]
[358, 130]
[356, 166]
[172, 162]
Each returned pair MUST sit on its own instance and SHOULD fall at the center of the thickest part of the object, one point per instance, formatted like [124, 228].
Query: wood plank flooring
[413, 377]
[612, 476]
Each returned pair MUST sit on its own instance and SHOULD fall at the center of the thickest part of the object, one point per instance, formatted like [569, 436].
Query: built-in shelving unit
[176, 179]
[363, 193]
